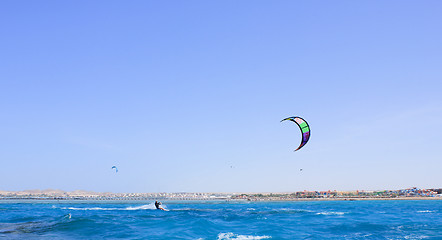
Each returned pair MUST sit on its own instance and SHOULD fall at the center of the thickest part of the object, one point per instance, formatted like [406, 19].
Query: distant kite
[116, 169]
[305, 129]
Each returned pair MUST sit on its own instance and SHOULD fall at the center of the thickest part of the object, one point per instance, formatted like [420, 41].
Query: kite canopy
[305, 129]
[116, 169]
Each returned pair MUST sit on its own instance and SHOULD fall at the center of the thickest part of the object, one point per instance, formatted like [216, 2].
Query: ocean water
[390, 219]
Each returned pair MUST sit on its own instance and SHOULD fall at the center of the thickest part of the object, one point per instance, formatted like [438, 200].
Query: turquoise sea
[389, 219]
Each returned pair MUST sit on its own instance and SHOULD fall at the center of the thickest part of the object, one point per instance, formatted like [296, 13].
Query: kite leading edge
[303, 126]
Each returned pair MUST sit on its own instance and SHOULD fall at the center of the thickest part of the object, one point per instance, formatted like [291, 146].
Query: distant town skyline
[55, 194]
[188, 96]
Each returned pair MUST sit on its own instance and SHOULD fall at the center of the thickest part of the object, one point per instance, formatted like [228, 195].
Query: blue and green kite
[305, 129]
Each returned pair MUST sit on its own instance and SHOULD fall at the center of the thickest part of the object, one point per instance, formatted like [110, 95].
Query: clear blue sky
[188, 95]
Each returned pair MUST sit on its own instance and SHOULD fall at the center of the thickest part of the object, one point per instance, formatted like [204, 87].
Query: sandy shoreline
[81, 195]
[342, 199]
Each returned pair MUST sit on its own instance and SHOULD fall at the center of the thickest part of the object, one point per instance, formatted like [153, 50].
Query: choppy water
[421, 219]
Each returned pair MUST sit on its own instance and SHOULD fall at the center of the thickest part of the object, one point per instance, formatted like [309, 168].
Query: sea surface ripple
[389, 219]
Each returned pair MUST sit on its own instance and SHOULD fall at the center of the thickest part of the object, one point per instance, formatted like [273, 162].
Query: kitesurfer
[158, 205]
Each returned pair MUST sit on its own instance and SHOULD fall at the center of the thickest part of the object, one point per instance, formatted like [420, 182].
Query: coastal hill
[53, 193]
[82, 194]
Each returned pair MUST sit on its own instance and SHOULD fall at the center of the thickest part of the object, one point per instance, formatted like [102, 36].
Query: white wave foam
[143, 207]
[425, 211]
[295, 210]
[229, 235]
[89, 209]
[416, 237]
[330, 213]
[150, 206]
